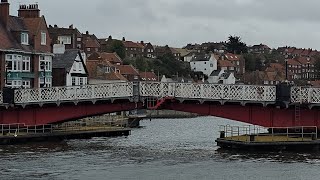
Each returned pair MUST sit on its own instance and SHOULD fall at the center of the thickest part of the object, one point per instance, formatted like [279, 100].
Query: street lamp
[43, 66]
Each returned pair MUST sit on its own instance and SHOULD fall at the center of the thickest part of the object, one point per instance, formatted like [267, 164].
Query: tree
[250, 62]
[235, 45]
[118, 47]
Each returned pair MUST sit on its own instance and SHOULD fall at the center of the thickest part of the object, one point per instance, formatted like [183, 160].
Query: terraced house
[25, 51]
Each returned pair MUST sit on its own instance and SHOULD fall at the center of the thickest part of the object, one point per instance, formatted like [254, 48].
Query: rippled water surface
[162, 149]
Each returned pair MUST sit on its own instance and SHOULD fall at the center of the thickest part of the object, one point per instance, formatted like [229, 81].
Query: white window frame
[64, 39]
[14, 62]
[24, 38]
[26, 64]
[43, 38]
[48, 63]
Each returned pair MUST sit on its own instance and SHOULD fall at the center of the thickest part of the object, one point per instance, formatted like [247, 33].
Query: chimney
[71, 26]
[4, 12]
[123, 39]
[31, 11]
[142, 42]
[87, 32]
[59, 49]
[110, 37]
[55, 26]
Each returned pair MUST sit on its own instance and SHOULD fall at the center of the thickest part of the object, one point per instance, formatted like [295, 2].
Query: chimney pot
[87, 32]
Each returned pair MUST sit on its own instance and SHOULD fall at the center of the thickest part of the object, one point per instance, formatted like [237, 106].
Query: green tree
[118, 47]
[250, 62]
[235, 45]
[141, 64]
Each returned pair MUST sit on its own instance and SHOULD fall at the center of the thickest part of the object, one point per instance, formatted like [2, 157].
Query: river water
[162, 149]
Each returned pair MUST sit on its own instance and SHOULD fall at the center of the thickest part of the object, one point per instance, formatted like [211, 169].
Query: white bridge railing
[305, 95]
[158, 89]
[85, 92]
[209, 91]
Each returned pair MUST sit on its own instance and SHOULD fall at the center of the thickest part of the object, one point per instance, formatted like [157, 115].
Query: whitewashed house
[221, 77]
[204, 63]
[69, 68]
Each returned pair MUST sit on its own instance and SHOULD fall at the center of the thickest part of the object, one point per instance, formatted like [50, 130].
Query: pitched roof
[130, 44]
[305, 60]
[293, 62]
[115, 76]
[8, 41]
[127, 69]
[111, 57]
[148, 76]
[201, 57]
[225, 63]
[232, 57]
[90, 41]
[66, 60]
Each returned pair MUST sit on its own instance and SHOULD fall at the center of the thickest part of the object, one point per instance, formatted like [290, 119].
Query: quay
[22, 134]
[250, 138]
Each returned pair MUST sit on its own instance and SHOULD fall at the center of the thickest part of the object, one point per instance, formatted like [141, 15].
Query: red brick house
[90, 43]
[70, 37]
[133, 50]
[25, 48]
[129, 72]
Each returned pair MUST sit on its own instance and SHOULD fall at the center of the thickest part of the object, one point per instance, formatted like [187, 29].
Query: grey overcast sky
[178, 22]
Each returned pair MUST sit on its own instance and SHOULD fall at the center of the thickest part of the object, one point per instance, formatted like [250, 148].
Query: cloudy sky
[178, 22]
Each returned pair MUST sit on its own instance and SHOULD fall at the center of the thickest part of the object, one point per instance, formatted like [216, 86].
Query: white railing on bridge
[307, 95]
[209, 91]
[73, 93]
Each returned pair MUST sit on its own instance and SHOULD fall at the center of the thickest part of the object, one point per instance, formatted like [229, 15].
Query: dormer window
[43, 38]
[24, 38]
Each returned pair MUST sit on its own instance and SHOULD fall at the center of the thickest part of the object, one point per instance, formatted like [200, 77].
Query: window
[73, 81]
[14, 62]
[43, 38]
[26, 63]
[25, 38]
[78, 39]
[81, 81]
[64, 39]
[79, 66]
[88, 49]
[26, 84]
[47, 60]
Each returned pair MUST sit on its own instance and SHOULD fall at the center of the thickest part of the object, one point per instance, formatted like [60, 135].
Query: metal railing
[271, 134]
[72, 93]
[23, 129]
[208, 91]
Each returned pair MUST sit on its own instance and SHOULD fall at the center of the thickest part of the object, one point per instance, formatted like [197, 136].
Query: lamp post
[43, 66]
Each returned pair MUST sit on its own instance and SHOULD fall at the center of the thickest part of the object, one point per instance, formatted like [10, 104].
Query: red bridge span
[268, 106]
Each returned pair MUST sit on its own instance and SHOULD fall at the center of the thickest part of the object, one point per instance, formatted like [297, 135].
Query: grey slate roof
[215, 73]
[201, 58]
[65, 60]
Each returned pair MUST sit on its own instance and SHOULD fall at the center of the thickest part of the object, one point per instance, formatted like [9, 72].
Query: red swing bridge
[283, 105]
